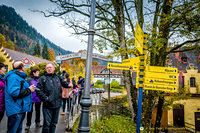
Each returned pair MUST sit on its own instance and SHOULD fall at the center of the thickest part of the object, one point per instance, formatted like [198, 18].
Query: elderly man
[18, 97]
[49, 90]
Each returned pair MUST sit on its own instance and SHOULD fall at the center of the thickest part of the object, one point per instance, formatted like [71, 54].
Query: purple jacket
[2, 94]
[34, 81]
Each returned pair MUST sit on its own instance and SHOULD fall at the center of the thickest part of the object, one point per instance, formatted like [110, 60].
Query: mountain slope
[25, 37]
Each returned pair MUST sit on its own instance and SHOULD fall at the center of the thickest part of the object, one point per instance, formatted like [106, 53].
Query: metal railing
[74, 98]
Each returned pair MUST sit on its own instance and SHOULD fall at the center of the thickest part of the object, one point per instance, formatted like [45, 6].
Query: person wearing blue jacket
[18, 97]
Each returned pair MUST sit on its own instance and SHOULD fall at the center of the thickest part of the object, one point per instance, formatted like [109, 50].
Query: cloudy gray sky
[51, 28]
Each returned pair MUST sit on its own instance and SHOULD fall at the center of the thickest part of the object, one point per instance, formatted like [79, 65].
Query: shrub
[114, 124]
[99, 82]
[115, 84]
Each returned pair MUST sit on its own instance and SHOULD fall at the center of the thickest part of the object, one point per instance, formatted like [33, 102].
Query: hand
[32, 88]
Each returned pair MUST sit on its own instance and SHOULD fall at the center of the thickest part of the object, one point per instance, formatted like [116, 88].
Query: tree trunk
[120, 29]
[164, 29]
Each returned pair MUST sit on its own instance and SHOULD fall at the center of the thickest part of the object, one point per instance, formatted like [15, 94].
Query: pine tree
[37, 49]
[45, 52]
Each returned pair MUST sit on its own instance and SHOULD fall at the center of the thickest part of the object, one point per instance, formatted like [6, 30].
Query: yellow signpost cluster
[154, 77]
[148, 77]
[160, 78]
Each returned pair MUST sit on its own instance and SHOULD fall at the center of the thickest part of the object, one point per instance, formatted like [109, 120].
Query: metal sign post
[139, 37]
[86, 102]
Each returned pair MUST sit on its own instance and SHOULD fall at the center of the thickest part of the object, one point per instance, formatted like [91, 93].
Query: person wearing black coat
[49, 90]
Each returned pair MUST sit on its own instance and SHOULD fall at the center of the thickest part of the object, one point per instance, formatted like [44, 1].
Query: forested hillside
[24, 37]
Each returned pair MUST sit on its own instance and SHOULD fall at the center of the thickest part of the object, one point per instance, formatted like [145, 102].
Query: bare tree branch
[182, 44]
[129, 18]
[188, 49]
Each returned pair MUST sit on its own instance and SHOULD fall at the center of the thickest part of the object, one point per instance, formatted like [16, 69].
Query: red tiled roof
[98, 69]
[18, 56]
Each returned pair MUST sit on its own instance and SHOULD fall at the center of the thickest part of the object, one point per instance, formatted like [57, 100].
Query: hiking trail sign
[148, 77]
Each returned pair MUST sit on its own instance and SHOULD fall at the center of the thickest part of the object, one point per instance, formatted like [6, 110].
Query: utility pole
[86, 101]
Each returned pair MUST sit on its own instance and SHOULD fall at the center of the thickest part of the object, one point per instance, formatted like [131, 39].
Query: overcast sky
[51, 27]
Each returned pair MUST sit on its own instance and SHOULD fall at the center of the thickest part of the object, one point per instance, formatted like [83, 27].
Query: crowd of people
[18, 95]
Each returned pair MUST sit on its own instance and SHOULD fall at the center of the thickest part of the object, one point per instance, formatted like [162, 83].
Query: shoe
[38, 124]
[63, 113]
[27, 127]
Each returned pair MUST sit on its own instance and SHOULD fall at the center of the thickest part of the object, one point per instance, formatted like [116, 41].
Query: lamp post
[86, 101]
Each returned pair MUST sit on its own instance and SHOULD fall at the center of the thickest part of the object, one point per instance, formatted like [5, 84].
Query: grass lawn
[116, 124]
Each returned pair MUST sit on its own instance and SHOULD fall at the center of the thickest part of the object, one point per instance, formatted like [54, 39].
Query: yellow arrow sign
[132, 61]
[158, 81]
[160, 87]
[122, 66]
[161, 69]
[119, 66]
[139, 36]
[160, 75]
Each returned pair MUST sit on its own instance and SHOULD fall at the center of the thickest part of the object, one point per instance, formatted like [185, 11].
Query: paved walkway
[62, 123]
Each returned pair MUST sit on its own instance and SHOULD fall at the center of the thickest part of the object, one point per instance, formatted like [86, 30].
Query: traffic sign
[139, 37]
[160, 87]
[26, 61]
[161, 69]
[160, 75]
[160, 81]
[119, 66]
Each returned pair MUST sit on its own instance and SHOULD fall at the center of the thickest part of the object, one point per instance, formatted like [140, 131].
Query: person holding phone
[18, 97]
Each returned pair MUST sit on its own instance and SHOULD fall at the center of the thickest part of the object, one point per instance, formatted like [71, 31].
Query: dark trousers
[69, 103]
[37, 113]
[80, 96]
[1, 115]
[50, 120]
[64, 104]
[15, 123]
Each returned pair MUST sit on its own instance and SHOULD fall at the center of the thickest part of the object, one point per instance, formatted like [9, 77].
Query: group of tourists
[18, 95]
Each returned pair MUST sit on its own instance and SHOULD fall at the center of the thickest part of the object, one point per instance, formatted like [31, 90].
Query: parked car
[97, 90]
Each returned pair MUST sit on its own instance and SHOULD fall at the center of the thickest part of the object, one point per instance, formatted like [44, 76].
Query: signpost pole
[140, 79]
[86, 102]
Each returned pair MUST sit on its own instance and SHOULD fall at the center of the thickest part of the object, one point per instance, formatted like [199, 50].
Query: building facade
[106, 75]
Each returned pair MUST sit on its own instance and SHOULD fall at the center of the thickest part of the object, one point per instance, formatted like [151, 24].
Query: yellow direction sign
[160, 75]
[119, 66]
[161, 69]
[160, 87]
[157, 81]
[132, 61]
[139, 37]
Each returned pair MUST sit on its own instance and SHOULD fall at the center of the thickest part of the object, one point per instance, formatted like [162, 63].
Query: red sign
[26, 61]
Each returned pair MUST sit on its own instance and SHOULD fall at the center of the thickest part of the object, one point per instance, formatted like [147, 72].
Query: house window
[183, 81]
[184, 59]
[192, 82]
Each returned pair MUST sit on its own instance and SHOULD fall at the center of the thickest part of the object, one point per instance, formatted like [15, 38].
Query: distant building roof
[184, 60]
[18, 56]
[101, 70]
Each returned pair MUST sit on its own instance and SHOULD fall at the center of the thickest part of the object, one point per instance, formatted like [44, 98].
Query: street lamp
[86, 102]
